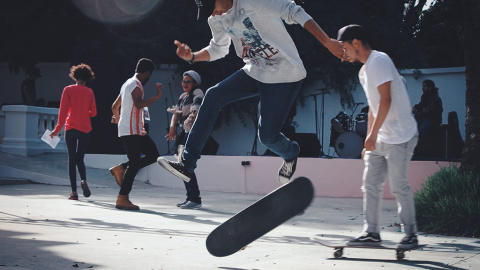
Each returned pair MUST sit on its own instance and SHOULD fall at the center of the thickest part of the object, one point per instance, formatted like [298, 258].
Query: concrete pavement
[41, 229]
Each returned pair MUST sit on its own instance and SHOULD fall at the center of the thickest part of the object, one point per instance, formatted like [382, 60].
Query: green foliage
[449, 203]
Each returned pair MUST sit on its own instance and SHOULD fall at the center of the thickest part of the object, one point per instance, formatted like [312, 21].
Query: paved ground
[41, 229]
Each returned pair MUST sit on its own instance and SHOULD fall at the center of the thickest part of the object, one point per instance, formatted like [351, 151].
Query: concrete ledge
[331, 177]
[13, 181]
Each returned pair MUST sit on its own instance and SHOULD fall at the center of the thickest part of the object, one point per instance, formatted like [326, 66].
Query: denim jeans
[77, 144]
[275, 102]
[193, 191]
[388, 161]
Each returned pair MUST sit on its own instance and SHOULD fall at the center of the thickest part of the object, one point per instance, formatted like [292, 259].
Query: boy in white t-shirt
[128, 112]
[391, 138]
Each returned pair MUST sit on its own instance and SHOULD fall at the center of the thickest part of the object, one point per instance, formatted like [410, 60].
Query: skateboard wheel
[338, 253]
[400, 255]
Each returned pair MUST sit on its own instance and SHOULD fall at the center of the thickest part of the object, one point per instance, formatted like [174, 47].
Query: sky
[428, 4]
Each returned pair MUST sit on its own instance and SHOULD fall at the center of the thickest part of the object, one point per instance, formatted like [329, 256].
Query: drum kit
[348, 134]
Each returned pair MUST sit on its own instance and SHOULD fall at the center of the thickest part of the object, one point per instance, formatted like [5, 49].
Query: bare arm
[171, 134]
[376, 124]
[116, 109]
[333, 45]
[184, 52]
[139, 102]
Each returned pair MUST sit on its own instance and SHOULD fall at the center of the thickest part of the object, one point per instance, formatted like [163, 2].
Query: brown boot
[118, 172]
[124, 203]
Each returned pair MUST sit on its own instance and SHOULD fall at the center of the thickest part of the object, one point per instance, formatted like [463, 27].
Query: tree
[440, 35]
[471, 150]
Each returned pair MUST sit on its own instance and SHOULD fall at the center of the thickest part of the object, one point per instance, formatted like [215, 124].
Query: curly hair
[82, 72]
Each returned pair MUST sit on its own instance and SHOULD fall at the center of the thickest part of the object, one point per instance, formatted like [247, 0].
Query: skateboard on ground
[261, 217]
[339, 245]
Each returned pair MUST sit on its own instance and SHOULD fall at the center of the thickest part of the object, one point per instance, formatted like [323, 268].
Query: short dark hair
[431, 84]
[145, 65]
[354, 31]
[82, 72]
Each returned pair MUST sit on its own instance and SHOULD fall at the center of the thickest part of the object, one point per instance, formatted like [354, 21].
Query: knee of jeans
[401, 189]
[267, 138]
[214, 99]
[133, 165]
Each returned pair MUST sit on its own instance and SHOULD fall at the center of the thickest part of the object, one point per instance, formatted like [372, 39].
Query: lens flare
[116, 11]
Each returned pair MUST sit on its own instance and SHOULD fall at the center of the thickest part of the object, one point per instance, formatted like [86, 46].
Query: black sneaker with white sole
[288, 169]
[366, 239]
[408, 242]
[176, 168]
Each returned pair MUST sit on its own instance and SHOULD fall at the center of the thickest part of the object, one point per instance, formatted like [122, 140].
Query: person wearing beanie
[273, 71]
[185, 112]
[391, 137]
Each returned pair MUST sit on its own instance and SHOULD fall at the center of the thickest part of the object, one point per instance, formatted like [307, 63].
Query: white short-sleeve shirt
[399, 125]
[131, 119]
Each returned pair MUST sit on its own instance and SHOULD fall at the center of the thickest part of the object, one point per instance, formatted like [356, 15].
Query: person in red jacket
[77, 106]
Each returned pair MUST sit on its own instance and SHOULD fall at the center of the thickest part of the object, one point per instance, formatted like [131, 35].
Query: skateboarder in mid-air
[391, 138]
[273, 70]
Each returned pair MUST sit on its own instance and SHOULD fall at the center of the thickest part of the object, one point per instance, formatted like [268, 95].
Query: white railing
[23, 129]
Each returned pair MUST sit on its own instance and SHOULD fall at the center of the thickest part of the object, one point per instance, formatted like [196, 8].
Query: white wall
[234, 139]
[227, 174]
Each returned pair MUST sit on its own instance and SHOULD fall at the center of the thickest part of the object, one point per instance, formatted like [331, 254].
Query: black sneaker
[366, 239]
[288, 169]
[182, 203]
[408, 242]
[85, 189]
[176, 168]
[73, 196]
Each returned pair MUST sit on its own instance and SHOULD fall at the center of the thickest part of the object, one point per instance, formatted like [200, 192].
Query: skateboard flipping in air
[261, 217]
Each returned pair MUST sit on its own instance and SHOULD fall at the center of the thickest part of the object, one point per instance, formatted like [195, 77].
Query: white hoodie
[260, 38]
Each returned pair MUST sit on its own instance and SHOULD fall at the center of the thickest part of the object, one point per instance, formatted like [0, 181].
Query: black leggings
[135, 146]
[77, 143]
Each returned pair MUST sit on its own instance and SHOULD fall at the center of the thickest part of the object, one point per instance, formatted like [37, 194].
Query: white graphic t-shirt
[256, 29]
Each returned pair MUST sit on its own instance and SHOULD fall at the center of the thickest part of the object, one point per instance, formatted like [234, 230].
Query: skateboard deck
[339, 245]
[261, 217]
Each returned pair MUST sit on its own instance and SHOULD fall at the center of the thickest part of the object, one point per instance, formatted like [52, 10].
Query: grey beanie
[195, 76]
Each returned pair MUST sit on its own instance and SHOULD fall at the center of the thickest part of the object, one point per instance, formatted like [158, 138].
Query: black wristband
[191, 61]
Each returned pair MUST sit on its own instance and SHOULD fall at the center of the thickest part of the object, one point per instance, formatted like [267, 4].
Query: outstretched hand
[336, 48]
[183, 50]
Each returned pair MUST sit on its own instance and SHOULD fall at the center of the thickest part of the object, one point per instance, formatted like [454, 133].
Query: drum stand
[356, 106]
[322, 92]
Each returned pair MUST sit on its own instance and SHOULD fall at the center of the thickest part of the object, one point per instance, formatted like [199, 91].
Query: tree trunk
[471, 150]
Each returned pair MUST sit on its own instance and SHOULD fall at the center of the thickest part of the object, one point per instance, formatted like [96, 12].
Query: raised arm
[139, 102]
[333, 45]
[184, 52]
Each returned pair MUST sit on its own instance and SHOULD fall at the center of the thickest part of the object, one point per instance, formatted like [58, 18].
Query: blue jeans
[193, 191]
[275, 102]
[388, 161]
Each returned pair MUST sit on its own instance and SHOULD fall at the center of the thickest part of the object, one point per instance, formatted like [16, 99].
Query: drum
[341, 122]
[349, 145]
[361, 123]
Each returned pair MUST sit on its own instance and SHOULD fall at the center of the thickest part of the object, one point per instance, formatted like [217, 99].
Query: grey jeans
[388, 161]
